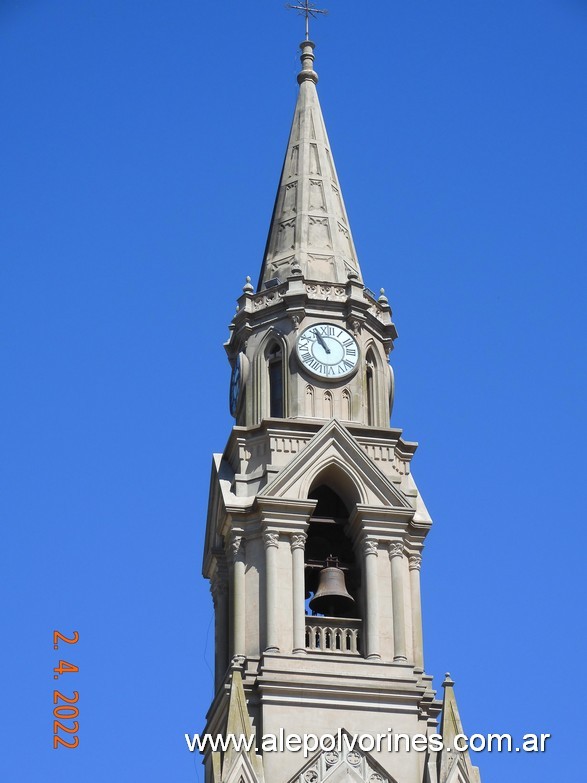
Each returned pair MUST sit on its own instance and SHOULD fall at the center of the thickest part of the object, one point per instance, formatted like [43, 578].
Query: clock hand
[321, 341]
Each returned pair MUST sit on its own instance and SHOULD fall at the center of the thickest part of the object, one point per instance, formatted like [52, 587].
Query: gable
[334, 448]
[342, 765]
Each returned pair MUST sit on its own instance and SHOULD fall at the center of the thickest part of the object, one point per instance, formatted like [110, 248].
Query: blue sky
[141, 144]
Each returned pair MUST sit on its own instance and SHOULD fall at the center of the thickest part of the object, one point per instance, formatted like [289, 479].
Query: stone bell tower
[312, 478]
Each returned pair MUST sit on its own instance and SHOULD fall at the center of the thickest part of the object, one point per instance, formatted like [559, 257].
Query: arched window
[346, 405]
[309, 401]
[275, 367]
[370, 391]
[328, 405]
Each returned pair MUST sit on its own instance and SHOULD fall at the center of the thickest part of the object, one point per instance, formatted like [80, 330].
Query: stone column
[298, 542]
[219, 590]
[396, 554]
[371, 599]
[271, 541]
[415, 562]
[238, 597]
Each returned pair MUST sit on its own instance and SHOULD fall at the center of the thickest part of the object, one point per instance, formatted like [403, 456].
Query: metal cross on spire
[308, 9]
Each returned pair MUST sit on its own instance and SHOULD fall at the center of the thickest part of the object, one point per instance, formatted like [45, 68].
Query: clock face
[235, 385]
[328, 351]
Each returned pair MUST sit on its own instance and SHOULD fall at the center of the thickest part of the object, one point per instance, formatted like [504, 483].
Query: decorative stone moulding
[298, 540]
[323, 292]
[237, 548]
[271, 539]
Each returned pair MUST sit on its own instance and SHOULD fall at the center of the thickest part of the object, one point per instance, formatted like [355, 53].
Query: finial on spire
[308, 9]
[307, 57]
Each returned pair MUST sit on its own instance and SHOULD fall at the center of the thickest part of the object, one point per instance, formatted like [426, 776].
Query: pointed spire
[450, 727]
[309, 228]
[239, 724]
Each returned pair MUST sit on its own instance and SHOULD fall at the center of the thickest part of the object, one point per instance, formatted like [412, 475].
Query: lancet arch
[271, 377]
[376, 388]
[340, 476]
[331, 571]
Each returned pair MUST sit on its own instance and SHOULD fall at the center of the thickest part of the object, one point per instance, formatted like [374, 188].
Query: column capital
[370, 546]
[396, 549]
[237, 547]
[270, 539]
[415, 562]
[298, 540]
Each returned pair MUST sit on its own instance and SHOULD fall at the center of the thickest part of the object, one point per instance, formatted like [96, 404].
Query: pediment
[346, 763]
[334, 449]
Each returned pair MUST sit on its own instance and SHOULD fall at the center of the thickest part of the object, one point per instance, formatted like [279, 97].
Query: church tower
[315, 527]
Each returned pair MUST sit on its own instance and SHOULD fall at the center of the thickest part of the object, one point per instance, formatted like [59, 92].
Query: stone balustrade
[333, 635]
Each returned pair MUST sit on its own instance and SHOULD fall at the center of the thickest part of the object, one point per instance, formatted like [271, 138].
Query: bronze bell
[331, 597]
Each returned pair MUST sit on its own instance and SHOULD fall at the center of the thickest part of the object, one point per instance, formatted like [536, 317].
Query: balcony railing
[333, 635]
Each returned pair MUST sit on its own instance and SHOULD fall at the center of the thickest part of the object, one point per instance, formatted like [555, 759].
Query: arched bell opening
[332, 575]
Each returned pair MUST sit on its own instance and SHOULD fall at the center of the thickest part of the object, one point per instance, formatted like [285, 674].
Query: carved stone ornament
[295, 319]
[331, 758]
[370, 546]
[311, 776]
[354, 758]
[298, 541]
[237, 546]
[415, 562]
[355, 326]
[320, 291]
[271, 539]
[396, 549]
[237, 661]
[266, 300]
[218, 586]
[376, 778]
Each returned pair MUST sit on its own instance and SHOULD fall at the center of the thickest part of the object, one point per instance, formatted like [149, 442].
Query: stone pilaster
[219, 590]
[415, 562]
[370, 552]
[237, 590]
[396, 554]
[271, 541]
[298, 543]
